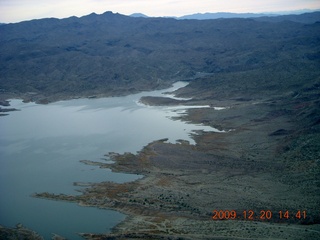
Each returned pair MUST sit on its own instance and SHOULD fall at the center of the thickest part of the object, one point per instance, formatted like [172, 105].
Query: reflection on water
[40, 149]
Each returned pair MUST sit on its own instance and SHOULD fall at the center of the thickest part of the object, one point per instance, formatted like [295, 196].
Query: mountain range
[113, 54]
[304, 16]
[205, 16]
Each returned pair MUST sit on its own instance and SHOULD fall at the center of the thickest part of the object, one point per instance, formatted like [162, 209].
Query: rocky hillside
[113, 54]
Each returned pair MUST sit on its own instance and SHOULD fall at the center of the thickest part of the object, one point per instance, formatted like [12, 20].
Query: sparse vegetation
[267, 75]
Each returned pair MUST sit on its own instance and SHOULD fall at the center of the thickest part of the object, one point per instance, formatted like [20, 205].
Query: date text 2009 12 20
[261, 215]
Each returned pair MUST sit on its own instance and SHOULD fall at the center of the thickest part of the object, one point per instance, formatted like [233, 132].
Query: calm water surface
[40, 149]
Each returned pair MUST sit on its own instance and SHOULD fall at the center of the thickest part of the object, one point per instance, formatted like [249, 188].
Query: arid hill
[112, 54]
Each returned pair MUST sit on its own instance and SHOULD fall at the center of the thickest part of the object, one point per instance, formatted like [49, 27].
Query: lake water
[40, 149]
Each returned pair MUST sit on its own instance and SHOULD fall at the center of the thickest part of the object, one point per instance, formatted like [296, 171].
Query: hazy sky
[19, 10]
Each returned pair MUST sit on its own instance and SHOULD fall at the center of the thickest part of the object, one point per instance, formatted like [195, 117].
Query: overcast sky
[19, 10]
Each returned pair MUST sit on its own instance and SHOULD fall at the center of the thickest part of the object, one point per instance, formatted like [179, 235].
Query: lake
[41, 146]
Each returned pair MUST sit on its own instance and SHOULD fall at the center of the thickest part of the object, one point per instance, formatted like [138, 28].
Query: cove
[41, 146]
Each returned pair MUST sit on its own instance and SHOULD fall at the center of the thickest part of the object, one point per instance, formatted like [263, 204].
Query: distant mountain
[294, 12]
[205, 16]
[138, 15]
[311, 17]
[302, 18]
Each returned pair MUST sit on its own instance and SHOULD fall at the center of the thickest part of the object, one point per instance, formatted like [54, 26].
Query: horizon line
[277, 13]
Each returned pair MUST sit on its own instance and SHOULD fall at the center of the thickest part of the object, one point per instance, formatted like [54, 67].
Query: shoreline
[261, 81]
[46, 98]
[184, 183]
